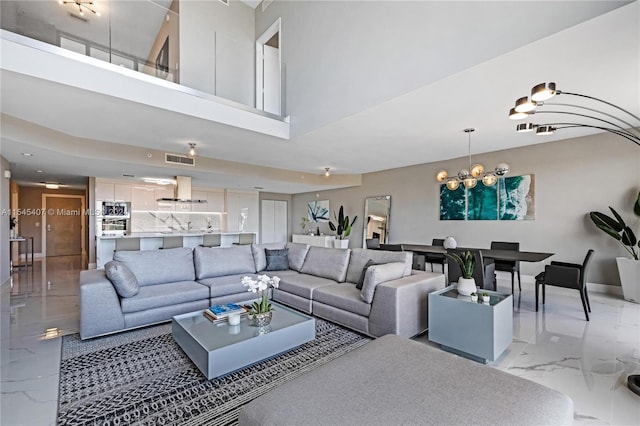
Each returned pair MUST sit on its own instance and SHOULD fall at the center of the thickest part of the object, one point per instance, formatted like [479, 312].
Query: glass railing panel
[140, 35]
[217, 57]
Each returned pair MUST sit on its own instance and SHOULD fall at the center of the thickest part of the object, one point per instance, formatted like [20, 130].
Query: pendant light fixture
[327, 172]
[192, 149]
[469, 177]
[82, 5]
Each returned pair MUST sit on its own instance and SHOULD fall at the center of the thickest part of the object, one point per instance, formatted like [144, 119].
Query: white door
[268, 70]
[274, 221]
[271, 80]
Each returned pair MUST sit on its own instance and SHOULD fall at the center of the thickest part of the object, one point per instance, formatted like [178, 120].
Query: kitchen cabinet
[104, 191]
[143, 198]
[121, 192]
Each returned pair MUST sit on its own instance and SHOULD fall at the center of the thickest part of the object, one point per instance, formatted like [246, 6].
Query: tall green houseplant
[342, 227]
[617, 228]
[628, 269]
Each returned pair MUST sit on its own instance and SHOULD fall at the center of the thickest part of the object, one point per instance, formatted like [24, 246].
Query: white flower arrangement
[261, 286]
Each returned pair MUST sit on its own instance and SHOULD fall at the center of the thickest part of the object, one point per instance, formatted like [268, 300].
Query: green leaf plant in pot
[628, 269]
[342, 228]
[467, 263]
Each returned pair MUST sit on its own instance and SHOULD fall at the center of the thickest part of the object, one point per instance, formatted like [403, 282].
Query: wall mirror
[376, 219]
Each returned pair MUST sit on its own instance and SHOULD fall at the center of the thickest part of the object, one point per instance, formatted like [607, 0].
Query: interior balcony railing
[165, 39]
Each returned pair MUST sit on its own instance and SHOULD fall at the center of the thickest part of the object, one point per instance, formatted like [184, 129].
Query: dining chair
[171, 242]
[244, 239]
[392, 247]
[567, 275]
[512, 266]
[483, 274]
[373, 243]
[211, 240]
[127, 244]
[436, 258]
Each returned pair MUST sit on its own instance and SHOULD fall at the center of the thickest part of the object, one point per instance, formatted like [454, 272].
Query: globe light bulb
[442, 176]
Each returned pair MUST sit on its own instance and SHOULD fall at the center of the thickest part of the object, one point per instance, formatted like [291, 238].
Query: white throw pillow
[378, 274]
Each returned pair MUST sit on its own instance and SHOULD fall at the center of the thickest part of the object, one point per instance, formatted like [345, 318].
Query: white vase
[466, 286]
[341, 243]
[629, 271]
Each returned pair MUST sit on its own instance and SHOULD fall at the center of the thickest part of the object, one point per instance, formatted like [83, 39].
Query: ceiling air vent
[179, 159]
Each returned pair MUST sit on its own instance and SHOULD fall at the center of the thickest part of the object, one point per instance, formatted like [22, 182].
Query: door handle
[48, 228]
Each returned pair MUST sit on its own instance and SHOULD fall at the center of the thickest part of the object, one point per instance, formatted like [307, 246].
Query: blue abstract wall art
[513, 198]
[318, 211]
[517, 198]
[452, 203]
[482, 202]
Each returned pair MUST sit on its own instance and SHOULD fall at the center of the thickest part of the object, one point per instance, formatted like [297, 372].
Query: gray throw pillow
[277, 260]
[378, 274]
[125, 283]
[360, 282]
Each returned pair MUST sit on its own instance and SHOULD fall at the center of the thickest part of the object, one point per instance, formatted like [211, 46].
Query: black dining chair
[437, 258]
[373, 243]
[512, 266]
[392, 247]
[567, 275]
[483, 274]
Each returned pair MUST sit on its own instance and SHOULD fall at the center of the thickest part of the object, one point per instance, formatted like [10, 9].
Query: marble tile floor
[589, 361]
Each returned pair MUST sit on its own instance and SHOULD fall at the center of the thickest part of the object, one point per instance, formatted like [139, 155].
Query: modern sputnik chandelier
[470, 177]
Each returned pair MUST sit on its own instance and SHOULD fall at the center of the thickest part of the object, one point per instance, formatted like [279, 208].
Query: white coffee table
[219, 348]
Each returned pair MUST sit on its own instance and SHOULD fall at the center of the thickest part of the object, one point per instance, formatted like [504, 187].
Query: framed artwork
[162, 60]
[482, 202]
[318, 211]
[452, 203]
[513, 198]
[517, 198]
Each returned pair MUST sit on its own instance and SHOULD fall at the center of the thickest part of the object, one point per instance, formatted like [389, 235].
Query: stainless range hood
[182, 191]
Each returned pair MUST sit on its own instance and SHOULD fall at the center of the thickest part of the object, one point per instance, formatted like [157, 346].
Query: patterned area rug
[143, 377]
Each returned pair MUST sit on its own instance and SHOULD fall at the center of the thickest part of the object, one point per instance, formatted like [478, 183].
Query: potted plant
[342, 228]
[628, 269]
[467, 263]
[474, 297]
[260, 313]
[12, 226]
[303, 224]
[485, 297]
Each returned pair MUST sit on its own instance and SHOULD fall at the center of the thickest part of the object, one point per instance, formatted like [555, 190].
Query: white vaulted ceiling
[410, 112]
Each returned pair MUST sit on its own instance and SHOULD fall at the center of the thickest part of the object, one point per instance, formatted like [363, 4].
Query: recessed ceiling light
[51, 186]
[27, 154]
[38, 171]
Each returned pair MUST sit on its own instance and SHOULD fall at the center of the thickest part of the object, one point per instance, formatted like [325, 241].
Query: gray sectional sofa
[159, 284]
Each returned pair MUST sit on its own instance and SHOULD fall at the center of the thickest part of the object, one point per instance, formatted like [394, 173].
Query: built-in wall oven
[114, 219]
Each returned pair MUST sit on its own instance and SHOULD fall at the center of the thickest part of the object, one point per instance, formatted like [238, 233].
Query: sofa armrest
[100, 310]
[401, 306]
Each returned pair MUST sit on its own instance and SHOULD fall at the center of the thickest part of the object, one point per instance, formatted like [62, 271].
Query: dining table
[508, 255]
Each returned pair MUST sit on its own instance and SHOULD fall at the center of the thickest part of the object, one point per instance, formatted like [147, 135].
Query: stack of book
[219, 312]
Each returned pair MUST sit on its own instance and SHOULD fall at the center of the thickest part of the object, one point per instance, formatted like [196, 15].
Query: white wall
[572, 177]
[217, 49]
[4, 222]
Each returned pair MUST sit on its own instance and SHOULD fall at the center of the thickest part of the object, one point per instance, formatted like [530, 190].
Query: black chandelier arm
[560, 92]
[633, 138]
[629, 125]
[580, 115]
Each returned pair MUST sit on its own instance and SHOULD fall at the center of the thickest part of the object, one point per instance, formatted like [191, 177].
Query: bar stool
[171, 242]
[211, 240]
[244, 239]
[127, 244]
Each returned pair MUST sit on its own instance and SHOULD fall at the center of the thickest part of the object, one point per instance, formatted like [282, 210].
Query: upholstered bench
[394, 380]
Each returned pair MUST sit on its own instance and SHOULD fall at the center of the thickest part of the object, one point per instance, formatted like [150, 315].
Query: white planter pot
[341, 244]
[466, 286]
[629, 271]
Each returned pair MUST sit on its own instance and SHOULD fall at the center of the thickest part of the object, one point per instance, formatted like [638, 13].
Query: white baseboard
[92, 266]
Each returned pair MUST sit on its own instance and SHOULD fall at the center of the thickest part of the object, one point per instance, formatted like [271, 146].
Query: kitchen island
[106, 245]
